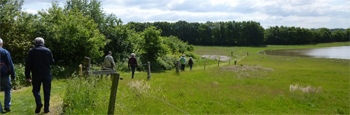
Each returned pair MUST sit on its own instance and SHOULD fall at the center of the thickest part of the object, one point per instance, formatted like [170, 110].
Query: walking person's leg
[1, 110]
[7, 89]
[191, 67]
[133, 72]
[47, 93]
[36, 92]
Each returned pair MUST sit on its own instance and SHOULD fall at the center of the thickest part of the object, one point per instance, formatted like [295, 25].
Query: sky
[297, 13]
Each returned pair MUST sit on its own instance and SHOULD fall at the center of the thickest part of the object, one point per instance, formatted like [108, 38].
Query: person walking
[133, 64]
[183, 62]
[108, 62]
[190, 62]
[7, 69]
[38, 62]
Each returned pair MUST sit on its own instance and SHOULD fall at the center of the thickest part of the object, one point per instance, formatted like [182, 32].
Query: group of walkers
[183, 63]
[37, 71]
[132, 63]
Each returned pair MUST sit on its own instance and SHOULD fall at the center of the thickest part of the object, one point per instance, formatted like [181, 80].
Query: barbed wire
[124, 106]
[167, 103]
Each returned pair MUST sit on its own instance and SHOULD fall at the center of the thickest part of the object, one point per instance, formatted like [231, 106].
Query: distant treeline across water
[246, 33]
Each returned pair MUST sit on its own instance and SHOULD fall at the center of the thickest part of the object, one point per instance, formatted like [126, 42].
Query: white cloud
[299, 13]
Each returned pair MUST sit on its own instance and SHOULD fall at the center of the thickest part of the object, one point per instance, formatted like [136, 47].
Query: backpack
[182, 60]
[3, 67]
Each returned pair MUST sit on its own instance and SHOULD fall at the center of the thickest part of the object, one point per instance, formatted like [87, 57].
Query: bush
[167, 62]
[85, 95]
[57, 72]
[191, 54]
[21, 79]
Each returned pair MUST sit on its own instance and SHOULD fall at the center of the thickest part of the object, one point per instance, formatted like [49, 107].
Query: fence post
[177, 67]
[86, 66]
[113, 95]
[149, 70]
[205, 64]
[80, 69]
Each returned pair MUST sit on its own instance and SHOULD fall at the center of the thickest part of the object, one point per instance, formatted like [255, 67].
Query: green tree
[152, 46]
[326, 35]
[70, 35]
[346, 34]
[338, 35]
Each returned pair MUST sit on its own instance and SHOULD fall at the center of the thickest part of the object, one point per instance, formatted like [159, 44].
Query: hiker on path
[190, 62]
[183, 62]
[108, 62]
[6, 70]
[38, 62]
[133, 64]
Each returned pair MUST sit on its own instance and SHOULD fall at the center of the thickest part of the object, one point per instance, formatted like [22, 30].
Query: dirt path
[23, 103]
[222, 57]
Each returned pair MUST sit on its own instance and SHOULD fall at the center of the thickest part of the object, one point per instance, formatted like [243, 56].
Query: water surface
[340, 52]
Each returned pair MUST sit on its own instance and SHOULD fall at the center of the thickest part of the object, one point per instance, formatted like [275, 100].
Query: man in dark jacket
[6, 70]
[133, 64]
[190, 62]
[38, 62]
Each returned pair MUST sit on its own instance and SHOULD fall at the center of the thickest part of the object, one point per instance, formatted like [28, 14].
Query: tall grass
[259, 84]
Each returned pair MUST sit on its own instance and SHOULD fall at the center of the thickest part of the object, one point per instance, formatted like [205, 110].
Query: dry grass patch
[306, 89]
[246, 71]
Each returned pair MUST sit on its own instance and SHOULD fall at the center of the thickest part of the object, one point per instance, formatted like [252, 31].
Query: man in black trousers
[38, 62]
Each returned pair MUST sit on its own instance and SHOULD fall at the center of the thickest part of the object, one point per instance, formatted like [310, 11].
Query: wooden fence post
[86, 65]
[149, 70]
[113, 95]
[80, 69]
[205, 64]
[177, 67]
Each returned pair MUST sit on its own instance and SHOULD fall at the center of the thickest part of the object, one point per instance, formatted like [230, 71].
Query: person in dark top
[133, 64]
[190, 62]
[183, 62]
[38, 62]
[7, 69]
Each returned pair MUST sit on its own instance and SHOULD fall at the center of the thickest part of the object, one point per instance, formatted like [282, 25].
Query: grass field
[258, 84]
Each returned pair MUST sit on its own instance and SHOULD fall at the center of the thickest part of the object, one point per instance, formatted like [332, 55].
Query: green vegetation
[259, 84]
[264, 84]
[245, 33]
[22, 100]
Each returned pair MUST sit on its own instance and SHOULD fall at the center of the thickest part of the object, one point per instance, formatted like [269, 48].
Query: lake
[340, 52]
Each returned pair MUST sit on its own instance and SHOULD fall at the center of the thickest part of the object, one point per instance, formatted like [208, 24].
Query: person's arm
[51, 58]
[136, 62]
[28, 66]
[129, 62]
[9, 63]
[112, 60]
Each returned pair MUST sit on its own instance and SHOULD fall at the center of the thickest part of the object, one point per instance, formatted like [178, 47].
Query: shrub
[191, 54]
[83, 95]
[20, 77]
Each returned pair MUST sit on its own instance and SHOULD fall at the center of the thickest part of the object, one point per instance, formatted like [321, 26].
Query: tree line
[80, 29]
[245, 33]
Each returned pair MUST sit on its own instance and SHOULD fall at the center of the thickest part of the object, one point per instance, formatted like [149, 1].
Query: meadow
[258, 84]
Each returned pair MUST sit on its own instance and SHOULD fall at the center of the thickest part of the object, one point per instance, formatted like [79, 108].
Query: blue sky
[298, 13]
